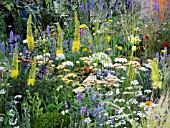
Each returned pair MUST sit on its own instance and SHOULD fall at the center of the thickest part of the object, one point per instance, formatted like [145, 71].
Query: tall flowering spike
[156, 74]
[59, 41]
[76, 43]
[11, 38]
[30, 38]
[31, 79]
[15, 72]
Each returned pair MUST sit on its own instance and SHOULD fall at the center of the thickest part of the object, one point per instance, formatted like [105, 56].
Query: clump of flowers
[59, 41]
[31, 79]
[156, 74]
[76, 43]
[134, 39]
[100, 57]
[30, 38]
[14, 72]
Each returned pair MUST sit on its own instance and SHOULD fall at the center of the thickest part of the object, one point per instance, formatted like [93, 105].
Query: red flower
[165, 44]
[146, 37]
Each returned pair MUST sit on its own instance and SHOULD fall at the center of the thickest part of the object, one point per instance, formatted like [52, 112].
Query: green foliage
[51, 120]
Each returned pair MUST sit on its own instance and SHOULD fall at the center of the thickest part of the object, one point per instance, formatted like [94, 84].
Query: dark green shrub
[51, 120]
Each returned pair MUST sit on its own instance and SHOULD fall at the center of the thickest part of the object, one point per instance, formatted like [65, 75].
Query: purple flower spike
[82, 6]
[11, 38]
[82, 110]
[12, 48]
[79, 97]
[165, 54]
[3, 46]
[48, 29]
[71, 42]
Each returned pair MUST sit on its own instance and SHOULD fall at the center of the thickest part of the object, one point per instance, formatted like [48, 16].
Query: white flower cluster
[121, 60]
[87, 120]
[68, 63]
[102, 58]
[60, 56]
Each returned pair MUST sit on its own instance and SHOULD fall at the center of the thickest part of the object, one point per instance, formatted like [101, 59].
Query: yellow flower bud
[133, 48]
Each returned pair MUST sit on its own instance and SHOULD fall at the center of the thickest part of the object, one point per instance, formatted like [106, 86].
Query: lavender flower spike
[48, 29]
[79, 97]
[11, 38]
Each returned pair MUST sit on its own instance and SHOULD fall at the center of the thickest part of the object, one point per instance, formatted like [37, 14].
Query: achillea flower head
[31, 79]
[156, 74]
[59, 41]
[30, 38]
[76, 43]
[14, 72]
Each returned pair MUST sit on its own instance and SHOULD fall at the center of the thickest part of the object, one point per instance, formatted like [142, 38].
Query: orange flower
[147, 103]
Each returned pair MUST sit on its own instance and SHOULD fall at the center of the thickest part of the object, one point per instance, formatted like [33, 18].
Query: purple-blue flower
[66, 105]
[11, 38]
[82, 110]
[48, 29]
[79, 97]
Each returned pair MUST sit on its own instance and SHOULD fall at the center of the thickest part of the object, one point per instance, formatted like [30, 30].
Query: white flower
[2, 91]
[123, 78]
[143, 69]
[60, 56]
[25, 41]
[87, 120]
[117, 91]
[106, 114]
[16, 127]
[100, 58]
[17, 96]
[2, 68]
[108, 122]
[68, 63]
[47, 54]
[121, 60]
[1, 119]
[147, 91]
[139, 93]
[39, 57]
[66, 111]
[63, 112]
[13, 123]
[142, 105]
[134, 82]
[109, 93]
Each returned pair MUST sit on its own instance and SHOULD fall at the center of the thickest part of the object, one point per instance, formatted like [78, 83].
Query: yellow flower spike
[15, 72]
[31, 79]
[30, 38]
[156, 74]
[82, 26]
[59, 41]
[76, 43]
[108, 39]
